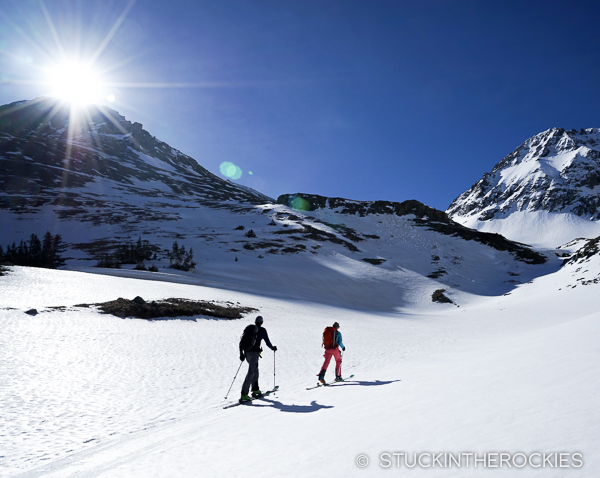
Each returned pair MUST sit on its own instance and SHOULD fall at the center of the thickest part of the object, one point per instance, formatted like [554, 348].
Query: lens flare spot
[230, 170]
[250, 173]
[110, 98]
[299, 204]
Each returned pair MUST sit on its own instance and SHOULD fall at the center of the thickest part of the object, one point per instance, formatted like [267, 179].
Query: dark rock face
[312, 202]
[440, 297]
[47, 156]
[585, 253]
[555, 171]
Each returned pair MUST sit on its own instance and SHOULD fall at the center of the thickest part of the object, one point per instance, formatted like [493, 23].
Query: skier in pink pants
[332, 341]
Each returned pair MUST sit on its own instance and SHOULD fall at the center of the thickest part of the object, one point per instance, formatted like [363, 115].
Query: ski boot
[322, 377]
[257, 394]
[244, 398]
[339, 378]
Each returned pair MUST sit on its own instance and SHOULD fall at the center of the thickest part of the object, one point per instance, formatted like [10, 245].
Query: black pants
[252, 375]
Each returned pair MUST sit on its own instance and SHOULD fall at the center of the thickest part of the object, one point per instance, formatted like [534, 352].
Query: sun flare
[75, 83]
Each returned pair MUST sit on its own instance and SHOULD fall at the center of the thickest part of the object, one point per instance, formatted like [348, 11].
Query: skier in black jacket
[251, 356]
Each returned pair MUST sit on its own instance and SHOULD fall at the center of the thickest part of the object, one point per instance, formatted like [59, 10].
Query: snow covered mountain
[546, 192]
[103, 182]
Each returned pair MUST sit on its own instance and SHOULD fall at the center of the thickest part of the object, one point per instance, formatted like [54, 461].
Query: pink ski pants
[338, 360]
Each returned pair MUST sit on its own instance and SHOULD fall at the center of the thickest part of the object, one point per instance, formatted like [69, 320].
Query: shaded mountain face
[98, 161]
[555, 171]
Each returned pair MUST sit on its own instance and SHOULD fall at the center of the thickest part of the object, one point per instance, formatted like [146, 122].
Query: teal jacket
[338, 339]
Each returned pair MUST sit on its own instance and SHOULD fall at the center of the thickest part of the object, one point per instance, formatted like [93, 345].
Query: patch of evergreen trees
[130, 253]
[35, 253]
[134, 254]
[142, 250]
[181, 259]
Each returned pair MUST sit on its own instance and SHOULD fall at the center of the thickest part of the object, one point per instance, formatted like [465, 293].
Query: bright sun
[75, 83]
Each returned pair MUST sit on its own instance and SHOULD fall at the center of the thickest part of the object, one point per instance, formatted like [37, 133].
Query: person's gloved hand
[274, 348]
[344, 349]
[242, 356]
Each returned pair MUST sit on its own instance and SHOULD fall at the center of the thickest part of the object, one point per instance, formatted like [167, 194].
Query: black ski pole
[236, 374]
[274, 354]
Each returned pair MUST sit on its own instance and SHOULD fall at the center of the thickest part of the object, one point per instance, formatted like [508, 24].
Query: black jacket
[261, 334]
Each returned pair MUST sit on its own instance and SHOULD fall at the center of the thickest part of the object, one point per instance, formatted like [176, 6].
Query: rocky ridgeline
[46, 155]
[425, 216]
[590, 249]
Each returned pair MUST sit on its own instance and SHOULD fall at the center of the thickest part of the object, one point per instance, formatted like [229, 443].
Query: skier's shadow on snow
[353, 383]
[313, 407]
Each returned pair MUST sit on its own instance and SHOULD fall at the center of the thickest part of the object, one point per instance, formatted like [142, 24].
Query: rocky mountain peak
[557, 170]
[91, 160]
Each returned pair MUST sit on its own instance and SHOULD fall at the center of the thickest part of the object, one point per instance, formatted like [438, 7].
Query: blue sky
[366, 100]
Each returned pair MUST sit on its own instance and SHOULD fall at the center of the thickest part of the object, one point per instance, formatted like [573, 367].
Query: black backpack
[248, 338]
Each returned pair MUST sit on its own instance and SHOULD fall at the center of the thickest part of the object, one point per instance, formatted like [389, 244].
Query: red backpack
[329, 338]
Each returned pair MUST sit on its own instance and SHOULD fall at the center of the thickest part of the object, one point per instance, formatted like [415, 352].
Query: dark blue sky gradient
[366, 100]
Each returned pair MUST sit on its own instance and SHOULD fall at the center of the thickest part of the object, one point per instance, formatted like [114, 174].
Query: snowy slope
[545, 193]
[540, 229]
[93, 395]
[306, 252]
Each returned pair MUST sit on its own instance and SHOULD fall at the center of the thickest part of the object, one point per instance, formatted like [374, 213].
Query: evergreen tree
[142, 251]
[188, 262]
[11, 253]
[173, 254]
[22, 253]
[181, 259]
[139, 251]
[132, 253]
[34, 258]
[35, 253]
[109, 261]
[58, 248]
[147, 250]
[47, 250]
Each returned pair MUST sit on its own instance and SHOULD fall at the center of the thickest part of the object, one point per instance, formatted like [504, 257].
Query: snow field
[94, 395]
[539, 229]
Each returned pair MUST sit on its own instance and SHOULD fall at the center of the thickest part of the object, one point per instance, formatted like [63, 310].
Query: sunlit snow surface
[86, 394]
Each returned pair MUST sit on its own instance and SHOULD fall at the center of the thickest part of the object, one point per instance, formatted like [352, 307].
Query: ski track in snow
[88, 394]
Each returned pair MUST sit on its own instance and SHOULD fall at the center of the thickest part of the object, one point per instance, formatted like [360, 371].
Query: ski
[317, 386]
[266, 394]
[330, 383]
